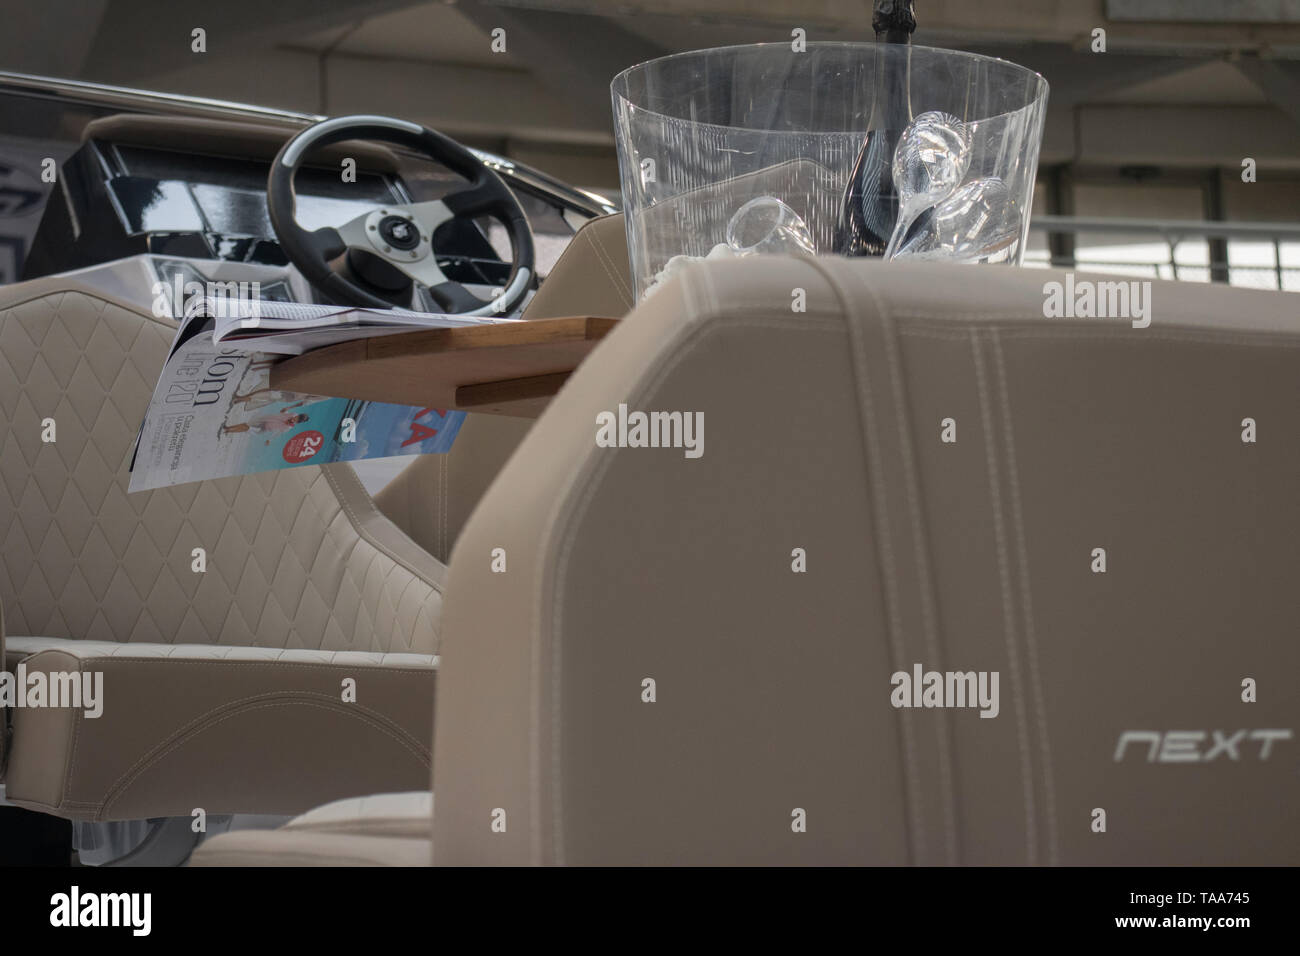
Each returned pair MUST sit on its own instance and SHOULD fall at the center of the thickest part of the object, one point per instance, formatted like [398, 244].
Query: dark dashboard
[159, 190]
[123, 197]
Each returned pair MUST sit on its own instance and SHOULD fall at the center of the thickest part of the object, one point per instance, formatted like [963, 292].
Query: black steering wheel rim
[312, 251]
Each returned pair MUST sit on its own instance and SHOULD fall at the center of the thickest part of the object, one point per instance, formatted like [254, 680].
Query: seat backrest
[654, 658]
[590, 278]
[297, 558]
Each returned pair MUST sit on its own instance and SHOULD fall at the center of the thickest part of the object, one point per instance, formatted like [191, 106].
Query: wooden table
[508, 369]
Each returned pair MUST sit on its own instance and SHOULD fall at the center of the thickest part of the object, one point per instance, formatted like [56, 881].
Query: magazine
[215, 414]
[289, 328]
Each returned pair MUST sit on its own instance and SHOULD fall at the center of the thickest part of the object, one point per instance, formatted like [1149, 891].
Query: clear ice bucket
[862, 149]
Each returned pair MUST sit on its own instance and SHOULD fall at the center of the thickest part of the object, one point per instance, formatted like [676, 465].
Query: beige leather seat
[1121, 733]
[222, 689]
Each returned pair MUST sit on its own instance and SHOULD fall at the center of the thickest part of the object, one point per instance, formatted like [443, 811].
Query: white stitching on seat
[921, 545]
[1031, 641]
[1008, 603]
[913, 793]
[608, 263]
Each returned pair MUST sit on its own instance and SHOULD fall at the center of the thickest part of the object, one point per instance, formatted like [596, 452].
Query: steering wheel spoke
[428, 215]
[454, 297]
[428, 273]
[352, 233]
[328, 242]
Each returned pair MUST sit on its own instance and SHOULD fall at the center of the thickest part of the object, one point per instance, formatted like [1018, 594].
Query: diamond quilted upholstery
[290, 562]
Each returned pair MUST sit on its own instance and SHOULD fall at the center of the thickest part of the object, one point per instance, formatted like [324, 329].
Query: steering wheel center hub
[396, 237]
[399, 232]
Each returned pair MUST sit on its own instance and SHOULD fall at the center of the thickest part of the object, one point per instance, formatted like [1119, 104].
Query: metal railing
[1279, 274]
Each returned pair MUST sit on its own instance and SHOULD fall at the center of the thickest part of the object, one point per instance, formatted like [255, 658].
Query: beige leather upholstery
[773, 688]
[298, 560]
[297, 848]
[433, 496]
[200, 727]
[431, 500]
[406, 814]
[590, 278]
[390, 829]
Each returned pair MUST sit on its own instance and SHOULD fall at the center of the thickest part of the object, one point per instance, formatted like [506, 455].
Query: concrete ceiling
[429, 32]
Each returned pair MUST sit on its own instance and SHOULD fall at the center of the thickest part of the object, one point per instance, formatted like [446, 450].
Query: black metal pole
[893, 20]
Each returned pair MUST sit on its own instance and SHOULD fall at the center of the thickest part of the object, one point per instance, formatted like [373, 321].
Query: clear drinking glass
[767, 226]
[701, 134]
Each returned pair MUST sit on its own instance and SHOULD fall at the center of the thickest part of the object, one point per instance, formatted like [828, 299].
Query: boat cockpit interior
[944, 580]
[142, 206]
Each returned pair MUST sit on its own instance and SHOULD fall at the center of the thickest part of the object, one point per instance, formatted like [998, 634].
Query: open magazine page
[214, 414]
[291, 328]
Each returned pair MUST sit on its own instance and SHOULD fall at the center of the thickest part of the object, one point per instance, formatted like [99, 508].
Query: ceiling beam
[1188, 136]
[1280, 82]
[1078, 75]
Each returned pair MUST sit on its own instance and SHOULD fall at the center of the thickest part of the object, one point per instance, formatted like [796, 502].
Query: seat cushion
[382, 814]
[311, 848]
[222, 729]
[387, 829]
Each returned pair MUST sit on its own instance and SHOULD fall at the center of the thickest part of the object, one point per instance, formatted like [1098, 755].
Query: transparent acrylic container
[810, 141]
